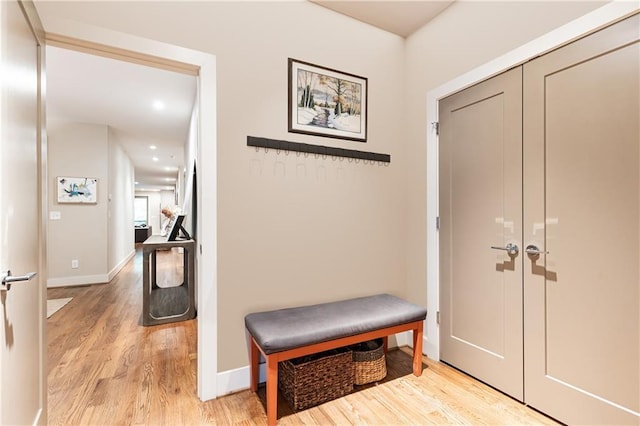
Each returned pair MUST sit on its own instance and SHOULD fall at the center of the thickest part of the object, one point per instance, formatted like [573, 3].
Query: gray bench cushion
[276, 331]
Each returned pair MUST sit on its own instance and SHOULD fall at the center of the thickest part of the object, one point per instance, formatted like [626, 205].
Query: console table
[161, 305]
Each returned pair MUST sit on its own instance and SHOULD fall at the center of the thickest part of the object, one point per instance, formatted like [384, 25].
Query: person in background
[167, 221]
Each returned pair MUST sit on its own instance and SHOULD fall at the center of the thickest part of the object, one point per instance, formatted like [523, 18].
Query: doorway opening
[201, 67]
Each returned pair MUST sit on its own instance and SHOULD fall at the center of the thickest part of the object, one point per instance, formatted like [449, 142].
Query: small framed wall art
[327, 102]
[81, 190]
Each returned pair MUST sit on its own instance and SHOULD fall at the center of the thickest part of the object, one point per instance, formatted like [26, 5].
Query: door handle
[511, 249]
[533, 250]
[9, 279]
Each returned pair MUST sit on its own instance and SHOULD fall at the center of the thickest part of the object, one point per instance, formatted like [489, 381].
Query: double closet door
[540, 229]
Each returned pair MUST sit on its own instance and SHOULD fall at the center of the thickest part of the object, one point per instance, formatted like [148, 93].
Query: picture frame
[176, 228]
[326, 102]
[77, 190]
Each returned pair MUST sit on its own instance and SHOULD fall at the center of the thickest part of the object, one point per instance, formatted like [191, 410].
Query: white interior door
[23, 390]
[480, 208]
[582, 206]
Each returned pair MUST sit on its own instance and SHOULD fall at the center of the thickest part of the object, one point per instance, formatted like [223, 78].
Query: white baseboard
[90, 279]
[240, 378]
[120, 265]
[430, 349]
[75, 281]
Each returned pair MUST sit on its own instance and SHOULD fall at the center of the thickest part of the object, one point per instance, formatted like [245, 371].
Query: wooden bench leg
[272, 391]
[385, 344]
[417, 349]
[254, 360]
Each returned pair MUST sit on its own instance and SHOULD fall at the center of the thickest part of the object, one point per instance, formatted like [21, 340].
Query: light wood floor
[105, 368]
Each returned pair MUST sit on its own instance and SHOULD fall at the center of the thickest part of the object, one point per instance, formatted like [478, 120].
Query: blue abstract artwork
[77, 190]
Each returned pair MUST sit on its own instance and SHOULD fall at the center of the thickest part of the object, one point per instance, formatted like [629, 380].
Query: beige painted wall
[120, 204]
[100, 236]
[78, 150]
[292, 229]
[465, 36]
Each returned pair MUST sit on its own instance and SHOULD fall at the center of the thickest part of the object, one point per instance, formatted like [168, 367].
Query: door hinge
[436, 127]
[438, 223]
[438, 317]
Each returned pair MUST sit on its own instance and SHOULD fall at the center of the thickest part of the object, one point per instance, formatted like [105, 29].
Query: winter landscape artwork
[77, 190]
[327, 102]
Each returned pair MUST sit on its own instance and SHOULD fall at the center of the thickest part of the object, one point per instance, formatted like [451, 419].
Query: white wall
[186, 201]
[78, 150]
[120, 206]
[168, 199]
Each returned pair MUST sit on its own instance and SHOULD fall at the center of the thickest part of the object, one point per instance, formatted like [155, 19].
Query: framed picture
[327, 102]
[77, 190]
[176, 227]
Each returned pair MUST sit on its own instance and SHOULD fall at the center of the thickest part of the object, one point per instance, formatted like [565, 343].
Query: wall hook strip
[316, 149]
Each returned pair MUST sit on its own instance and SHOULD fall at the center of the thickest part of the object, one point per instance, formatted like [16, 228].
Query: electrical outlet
[74, 264]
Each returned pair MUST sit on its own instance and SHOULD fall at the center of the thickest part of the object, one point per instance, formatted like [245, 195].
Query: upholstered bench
[290, 333]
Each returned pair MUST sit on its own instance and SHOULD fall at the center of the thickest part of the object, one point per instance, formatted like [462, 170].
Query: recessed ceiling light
[170, 169]
[158, 105]
[152, 147]
[155, 159]
[137, 183]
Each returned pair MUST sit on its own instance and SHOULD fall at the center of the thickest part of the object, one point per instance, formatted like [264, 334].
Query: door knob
[511, 249]
[533, 250]
[8, 279]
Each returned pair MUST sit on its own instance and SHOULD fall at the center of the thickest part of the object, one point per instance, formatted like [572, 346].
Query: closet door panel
[480, 208]
[582, 210]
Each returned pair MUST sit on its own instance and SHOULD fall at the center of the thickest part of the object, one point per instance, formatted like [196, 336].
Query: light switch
[54, 215]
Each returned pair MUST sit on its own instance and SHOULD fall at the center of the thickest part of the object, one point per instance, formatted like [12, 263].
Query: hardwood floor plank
[105, 368]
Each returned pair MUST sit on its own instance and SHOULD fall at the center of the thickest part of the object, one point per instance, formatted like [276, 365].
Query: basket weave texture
[317, 378]
[369, 362]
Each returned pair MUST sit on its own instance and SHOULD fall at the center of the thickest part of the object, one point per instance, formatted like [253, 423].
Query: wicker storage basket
[317, 378]
[369, 362]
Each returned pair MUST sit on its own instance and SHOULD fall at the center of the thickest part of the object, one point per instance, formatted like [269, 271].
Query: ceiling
[87, 88]
[399, 17]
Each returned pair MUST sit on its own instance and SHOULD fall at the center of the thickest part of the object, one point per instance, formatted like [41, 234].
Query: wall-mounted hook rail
[316, 149]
